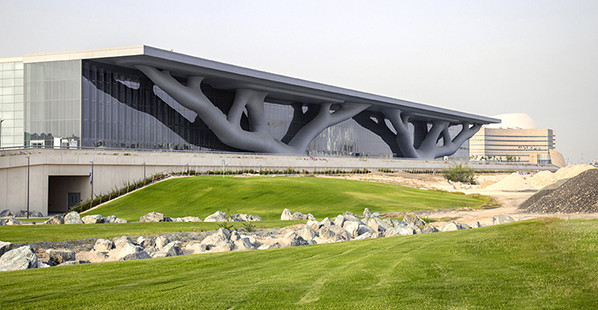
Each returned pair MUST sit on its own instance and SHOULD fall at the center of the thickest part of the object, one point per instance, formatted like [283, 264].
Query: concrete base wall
[113, 169]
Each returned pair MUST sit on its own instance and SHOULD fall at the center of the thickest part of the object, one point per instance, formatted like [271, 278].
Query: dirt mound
[576, 195]
[571, 171]
[542, 179]
[511, 183]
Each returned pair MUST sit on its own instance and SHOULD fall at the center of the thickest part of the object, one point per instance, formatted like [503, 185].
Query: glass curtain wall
[53, 103]
[11, 104]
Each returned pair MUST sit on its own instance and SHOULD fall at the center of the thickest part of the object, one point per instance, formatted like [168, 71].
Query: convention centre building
[142, 98]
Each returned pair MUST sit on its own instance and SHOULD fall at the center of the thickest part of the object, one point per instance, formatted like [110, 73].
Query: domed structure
[514, 121]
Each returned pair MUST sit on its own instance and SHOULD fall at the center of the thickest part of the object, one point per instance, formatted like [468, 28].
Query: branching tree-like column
[423, 143]
[257, 139]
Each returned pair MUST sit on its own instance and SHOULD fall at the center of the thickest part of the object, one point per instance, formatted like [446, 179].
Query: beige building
[516, 138]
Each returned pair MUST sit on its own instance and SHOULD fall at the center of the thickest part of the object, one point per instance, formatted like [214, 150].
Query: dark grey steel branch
[228, 128]
[379, 127]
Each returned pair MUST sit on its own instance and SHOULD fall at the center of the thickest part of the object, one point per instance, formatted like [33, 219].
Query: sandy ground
[509, 200]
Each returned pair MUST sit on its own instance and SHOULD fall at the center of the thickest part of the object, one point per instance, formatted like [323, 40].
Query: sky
[482, 57]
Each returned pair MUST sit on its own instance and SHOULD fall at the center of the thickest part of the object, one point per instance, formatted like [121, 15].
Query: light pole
[28, 165]
[91, 179]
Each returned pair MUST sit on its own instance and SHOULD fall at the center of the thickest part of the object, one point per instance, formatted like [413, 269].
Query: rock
[5, 247]
[367, 213]
[315, 225]
[399, 230]
[12, 221]
[462, 226]
[18, 259]
[326, 222]
[450, 226]
[429, 229]
[74, 262]
[58, 257]
[364, 229]
[5, 213]
[332, 233]
[306, 232]
[73, 218]
[41, 264]
[146, 242]
[351, 227]
[2, 222]
[55, 220]
[286, 215]
[339, 220]
[349, 216]
[275, 245]
[245, 218]
[502, 219]
[120, 221]
[218, 216]
[192, 219]
[93, 219]
[23, 213]
[245, 243]
[301, 216]
[377, 224]
[415, 220]
[131, 252]
[310, 216]
[153, 217]
[161, 241]
[367, 235]
[103, 245]
[218, 241]
[171, 249]
[122, 241]
[110, 219]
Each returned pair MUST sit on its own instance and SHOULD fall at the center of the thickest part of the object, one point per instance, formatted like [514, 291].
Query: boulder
[5, 247]
[502, 219]
[161, 241]
[103, 245]
[41, 264]
[245, 218]
[153, 217]
[326, 222]
[286, 215]
[415, 220]
[244, 243]
[18, 259]
[399, 230]
[23, 213]
[306, 232]
[367, 213]
[74, 262]
[171, 249]
[146, 242]
[73, 218]
[367, 235]
[110, 219]
[190, 219]
[339, 220]
[58, 257]
[451, 226]
[93, 219]
[55, 220]
[121, 241]
[429, 229]
[351, 227]
[217, 216]
[12, 221]
[301, 216]
[463, 226]
[218, 241]
[315, 225]
[377, 224]
[5, 213]
[364, 229]
[332, 233]
[349, 216]
[130, 251]
[120, 221]
[2, 222]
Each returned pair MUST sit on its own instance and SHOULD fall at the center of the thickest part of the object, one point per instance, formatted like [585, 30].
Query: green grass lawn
[38, 233]
[268, 196]
[523, 265]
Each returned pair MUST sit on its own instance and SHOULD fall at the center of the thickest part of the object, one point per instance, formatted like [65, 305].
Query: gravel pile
[576, 195]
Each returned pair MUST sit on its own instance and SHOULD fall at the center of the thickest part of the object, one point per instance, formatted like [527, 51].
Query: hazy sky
[483, 57]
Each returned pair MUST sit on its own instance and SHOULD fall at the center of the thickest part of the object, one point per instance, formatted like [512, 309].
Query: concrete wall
[113, 169]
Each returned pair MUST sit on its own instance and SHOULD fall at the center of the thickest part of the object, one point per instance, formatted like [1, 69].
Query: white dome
[514, 120]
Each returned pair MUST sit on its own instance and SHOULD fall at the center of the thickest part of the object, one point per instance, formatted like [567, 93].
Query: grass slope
[268, 196]
[538, 264]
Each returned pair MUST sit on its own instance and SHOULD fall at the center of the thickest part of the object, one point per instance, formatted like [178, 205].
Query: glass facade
[11, 104]
[53, 103]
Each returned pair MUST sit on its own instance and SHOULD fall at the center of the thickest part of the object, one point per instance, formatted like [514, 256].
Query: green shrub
[460, 173]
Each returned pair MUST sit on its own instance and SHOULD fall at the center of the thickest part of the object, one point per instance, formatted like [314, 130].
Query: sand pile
[571, 171]
[576, 195]
[511, 183]
[542, 179]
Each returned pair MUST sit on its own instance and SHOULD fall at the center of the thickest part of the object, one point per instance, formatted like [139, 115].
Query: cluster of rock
[344, 227]
[71, 218]
[22, 213]
[218, 216]
[288, 216]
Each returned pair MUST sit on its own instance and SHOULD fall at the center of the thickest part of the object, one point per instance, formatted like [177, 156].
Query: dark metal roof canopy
[283, 89]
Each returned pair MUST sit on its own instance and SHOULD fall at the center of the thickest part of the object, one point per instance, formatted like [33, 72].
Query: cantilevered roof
[280, 89]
